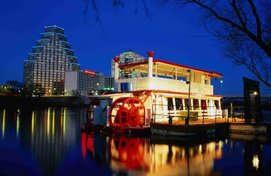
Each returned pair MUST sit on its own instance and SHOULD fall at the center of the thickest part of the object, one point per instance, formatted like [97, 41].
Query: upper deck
[162, 75]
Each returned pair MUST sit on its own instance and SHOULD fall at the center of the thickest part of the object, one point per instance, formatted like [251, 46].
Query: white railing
[155, 83]
[161, 113]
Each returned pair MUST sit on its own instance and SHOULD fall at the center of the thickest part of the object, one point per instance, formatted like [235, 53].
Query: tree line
[16, 88]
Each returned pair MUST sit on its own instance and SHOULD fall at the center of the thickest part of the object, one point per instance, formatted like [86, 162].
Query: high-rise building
[50, 58]
[127, 58]
[83, 82]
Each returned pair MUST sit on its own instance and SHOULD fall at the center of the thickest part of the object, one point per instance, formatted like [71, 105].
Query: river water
[49, 141]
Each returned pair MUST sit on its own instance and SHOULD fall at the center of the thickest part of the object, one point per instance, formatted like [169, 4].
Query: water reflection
[3, 124]
[253, 158]
[141, 156]
[43, 133]
[129, 153]
[49, 142]
[183, 159]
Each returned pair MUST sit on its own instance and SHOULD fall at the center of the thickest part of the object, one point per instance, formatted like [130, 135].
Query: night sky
[175, 34]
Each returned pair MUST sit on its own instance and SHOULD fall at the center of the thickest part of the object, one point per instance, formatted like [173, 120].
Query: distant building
[127, 58]
[108, 84]
[50, 58]
[83, 82]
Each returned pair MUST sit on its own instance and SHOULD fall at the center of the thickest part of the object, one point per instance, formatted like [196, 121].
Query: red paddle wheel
[126, 112]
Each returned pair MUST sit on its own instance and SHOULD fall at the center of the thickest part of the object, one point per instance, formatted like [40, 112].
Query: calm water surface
[49, 142]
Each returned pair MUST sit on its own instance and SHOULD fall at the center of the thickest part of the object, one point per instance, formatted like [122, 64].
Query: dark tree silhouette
[244, 26]
[14, 86]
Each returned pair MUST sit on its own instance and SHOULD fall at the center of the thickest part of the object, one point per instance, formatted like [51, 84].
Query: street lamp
[189, 99]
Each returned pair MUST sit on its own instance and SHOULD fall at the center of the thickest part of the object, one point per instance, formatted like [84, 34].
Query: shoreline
[56, 101]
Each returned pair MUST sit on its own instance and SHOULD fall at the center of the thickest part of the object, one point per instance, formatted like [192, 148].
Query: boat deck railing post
[215, 116]
[169, 118]
[203, 117]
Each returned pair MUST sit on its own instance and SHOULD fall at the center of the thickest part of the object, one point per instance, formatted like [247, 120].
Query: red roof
[143, 66]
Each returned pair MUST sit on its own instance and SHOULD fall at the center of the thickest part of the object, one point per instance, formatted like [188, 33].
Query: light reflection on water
[49, 142]
[142, 156]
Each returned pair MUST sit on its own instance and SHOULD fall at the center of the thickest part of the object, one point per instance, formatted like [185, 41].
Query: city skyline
[173, 33]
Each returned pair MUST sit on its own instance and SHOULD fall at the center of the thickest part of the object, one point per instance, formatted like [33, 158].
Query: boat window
[181, 79]
[125, 86]
[169, 104]
[203, 105]
[126, 74]
[196, 104]
[126, 60]
[179, 103]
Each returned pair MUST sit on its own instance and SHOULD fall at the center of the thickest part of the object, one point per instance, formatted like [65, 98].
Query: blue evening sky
[174, 33]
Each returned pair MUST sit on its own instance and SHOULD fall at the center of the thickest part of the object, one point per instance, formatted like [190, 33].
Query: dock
[235, 128]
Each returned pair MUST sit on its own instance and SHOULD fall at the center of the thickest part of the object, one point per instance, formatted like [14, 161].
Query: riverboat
[156, 90]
